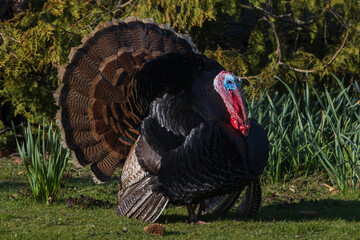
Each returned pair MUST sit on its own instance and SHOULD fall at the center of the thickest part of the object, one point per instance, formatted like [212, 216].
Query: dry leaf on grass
[17, 160]
[156, 229]
[14, 196]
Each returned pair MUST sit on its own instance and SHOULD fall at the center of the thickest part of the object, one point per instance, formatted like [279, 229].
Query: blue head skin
[231, 82]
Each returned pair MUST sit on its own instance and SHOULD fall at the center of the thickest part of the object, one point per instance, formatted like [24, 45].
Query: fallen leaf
[17, 160]
[20, 173]
[156, 229]
[15, 196]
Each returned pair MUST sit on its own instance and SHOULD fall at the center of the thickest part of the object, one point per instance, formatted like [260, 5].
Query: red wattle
[235, 123]
[244, 128]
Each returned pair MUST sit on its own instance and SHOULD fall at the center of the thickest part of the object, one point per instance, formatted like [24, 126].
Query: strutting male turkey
[137, 95]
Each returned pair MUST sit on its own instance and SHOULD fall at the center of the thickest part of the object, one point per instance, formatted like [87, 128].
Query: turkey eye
[229, 82]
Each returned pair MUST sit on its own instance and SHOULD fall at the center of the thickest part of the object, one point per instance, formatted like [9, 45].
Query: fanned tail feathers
[99, 115]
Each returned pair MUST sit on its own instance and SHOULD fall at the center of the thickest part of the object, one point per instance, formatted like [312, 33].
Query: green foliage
[306, 133]
[44, 160]
[338, 147]
[178, 13]
[33, 45]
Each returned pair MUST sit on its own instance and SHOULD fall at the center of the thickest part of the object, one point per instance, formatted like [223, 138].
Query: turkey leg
[193, 217]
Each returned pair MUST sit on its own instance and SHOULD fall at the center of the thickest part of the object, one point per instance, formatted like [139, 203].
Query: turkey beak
[240, 119]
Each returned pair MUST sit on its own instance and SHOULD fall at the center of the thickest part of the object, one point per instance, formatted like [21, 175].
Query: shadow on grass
[20, 184]
[172, 233]
[5, 186]
[329, 209]
[79, 181]
[326, 209]
[87, 180]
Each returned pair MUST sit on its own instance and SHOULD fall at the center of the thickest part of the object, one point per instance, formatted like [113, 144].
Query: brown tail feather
[98, 114]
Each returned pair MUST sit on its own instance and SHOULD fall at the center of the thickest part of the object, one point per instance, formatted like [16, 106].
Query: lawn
[302, 208]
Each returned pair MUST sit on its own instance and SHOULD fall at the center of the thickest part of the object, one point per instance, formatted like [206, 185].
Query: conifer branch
[4, 34]
[5, 43]
[132, 7]
[278, 48]
[117, 8]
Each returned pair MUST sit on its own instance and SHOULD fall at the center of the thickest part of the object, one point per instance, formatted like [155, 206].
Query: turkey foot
[192, 216]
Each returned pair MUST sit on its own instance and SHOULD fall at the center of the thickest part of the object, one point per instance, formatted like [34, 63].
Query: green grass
[22, 217]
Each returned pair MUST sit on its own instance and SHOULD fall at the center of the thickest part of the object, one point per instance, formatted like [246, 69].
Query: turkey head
[228, 86]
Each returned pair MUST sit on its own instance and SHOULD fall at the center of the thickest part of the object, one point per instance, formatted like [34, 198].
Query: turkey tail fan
[99, 115]
[251, 203]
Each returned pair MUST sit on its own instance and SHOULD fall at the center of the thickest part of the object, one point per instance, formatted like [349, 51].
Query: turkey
[139, 96]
